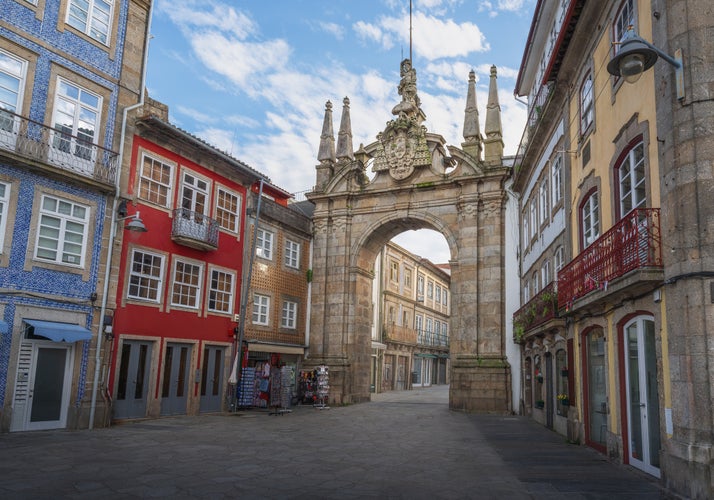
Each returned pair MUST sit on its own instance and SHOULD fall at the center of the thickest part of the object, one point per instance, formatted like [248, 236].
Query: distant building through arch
[420, 182]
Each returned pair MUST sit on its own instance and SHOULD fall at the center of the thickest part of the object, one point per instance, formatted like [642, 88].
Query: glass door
[49, 392]
[596, 389]
[642, 395]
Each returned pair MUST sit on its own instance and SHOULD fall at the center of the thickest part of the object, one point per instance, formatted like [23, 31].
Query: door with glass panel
[12, 81]
[194, 206]
[212, 378]
[133, 380]
[596, 388]
[175, 385]
[49, 385]
[642, 395]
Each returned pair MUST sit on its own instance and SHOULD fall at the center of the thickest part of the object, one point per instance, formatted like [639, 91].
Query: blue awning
[4, 327]
[59, 332]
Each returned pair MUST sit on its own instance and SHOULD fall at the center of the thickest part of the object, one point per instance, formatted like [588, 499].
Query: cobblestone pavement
[402, 445]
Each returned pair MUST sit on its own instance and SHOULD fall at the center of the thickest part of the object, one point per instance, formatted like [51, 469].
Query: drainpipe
[244, 296]
[308, 313]
[113, 227]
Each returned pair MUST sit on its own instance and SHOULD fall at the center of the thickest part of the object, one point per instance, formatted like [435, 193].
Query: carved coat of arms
[402, 147]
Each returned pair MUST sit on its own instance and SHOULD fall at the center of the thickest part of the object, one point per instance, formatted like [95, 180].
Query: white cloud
[334, 29]
[370, 32]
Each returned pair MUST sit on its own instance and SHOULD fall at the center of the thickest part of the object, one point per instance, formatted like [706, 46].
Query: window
[393, 272]
[445, 297]
[405, 319]
[429, 325]
[526, 291]
[4, 200]
[557, 179]
[187, 284]
[545, 273]
[526, 230]
[194, 197]
[418, 323]
[228, 207]
[624, 19]
[534, 218]
[146, 276]
[292, 254]
[91, 17]
[430, 289]
[261, 309]
[289, 318]
[155, 181]
[590, 219]
[559, 258]
[632, 180]
[420, 285]
[264, 244]
[408, 278]
[535, 283]
[220, 292]
[12, 83]
[438, 294]
[76, 119]
[544, 201]
[586, 104]
[62, 233]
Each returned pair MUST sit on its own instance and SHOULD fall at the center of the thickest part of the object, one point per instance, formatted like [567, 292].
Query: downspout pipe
[113, 227]
[244, 294]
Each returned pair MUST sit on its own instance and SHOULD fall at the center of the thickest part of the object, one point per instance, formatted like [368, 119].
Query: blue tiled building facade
[61, 70]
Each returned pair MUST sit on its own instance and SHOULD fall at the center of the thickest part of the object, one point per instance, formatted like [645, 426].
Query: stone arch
[419, 182]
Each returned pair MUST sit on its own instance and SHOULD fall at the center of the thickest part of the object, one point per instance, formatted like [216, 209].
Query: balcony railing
[633, 243]
[536, 107]
[33, 140]
[541, 308]
[194, 229]
[432, 339]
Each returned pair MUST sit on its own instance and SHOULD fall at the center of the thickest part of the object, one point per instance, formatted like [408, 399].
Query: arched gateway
[419, 182]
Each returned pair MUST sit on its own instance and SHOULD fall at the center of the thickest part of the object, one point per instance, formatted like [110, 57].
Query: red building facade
[178, 283]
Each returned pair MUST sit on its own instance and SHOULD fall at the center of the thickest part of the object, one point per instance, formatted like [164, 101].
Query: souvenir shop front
[269, 377]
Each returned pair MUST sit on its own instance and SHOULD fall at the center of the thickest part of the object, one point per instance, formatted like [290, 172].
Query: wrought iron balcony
[432, 339]
[542, 308]
[195, 230]
[633, 243]
[27, 139]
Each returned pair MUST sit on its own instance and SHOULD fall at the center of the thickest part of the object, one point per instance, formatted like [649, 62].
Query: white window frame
[557, 179]
[545, 277]
[195, 195]
[289, 315]
[429, 325]
[534, 217]
[526, 230]
[261, 309]
[544, 201]
[189, 294]
[393, 271]
[420, 285]
[526, 291]
[628, 171]
[590, 220]
[219, 295]
[95, 23]
[222, 195]
[445, 297]
[437, 297]
[292, 254]
[419, 323]
[68, 225]
[407, 277]
[626, 17]
[430, 289]
[264, 244]
[9, 125]
[559, 259]
[71, 140]
[5, 189]
[151, 281]
[155, 186]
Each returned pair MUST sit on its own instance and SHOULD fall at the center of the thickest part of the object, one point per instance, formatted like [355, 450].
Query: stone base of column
[480, 385]
[687, 469]
[342, 388]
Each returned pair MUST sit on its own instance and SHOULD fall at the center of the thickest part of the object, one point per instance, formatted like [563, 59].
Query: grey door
[549, 393]
[133, 384]
[212, 378]
[174, 390]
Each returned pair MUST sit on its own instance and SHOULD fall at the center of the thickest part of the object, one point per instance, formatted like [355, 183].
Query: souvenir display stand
[314, 387]
[323, 387]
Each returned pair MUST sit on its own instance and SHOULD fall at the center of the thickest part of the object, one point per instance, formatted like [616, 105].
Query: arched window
[630, 177]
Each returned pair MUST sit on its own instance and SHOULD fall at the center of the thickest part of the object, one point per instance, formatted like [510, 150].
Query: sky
[251, 77]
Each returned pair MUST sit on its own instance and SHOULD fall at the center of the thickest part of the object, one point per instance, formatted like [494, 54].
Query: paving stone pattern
[402, 445]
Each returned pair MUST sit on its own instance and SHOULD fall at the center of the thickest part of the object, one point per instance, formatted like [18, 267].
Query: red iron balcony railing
[33, 140]
[633, 243]
[540, 309]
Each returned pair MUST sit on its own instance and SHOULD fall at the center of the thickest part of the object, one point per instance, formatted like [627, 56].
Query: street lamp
[637, 55]
[134, 221]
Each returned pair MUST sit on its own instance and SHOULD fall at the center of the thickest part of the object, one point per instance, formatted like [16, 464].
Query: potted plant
[563, 399]
[540, 404]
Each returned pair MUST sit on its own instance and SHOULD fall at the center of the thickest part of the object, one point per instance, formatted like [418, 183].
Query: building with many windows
[609, 344]
[67, 69]
[179, 283]
[410, 332]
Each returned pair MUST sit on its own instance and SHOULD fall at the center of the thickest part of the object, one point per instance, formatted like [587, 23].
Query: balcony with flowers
[626, 261]
[26, 141]
[539, 313]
